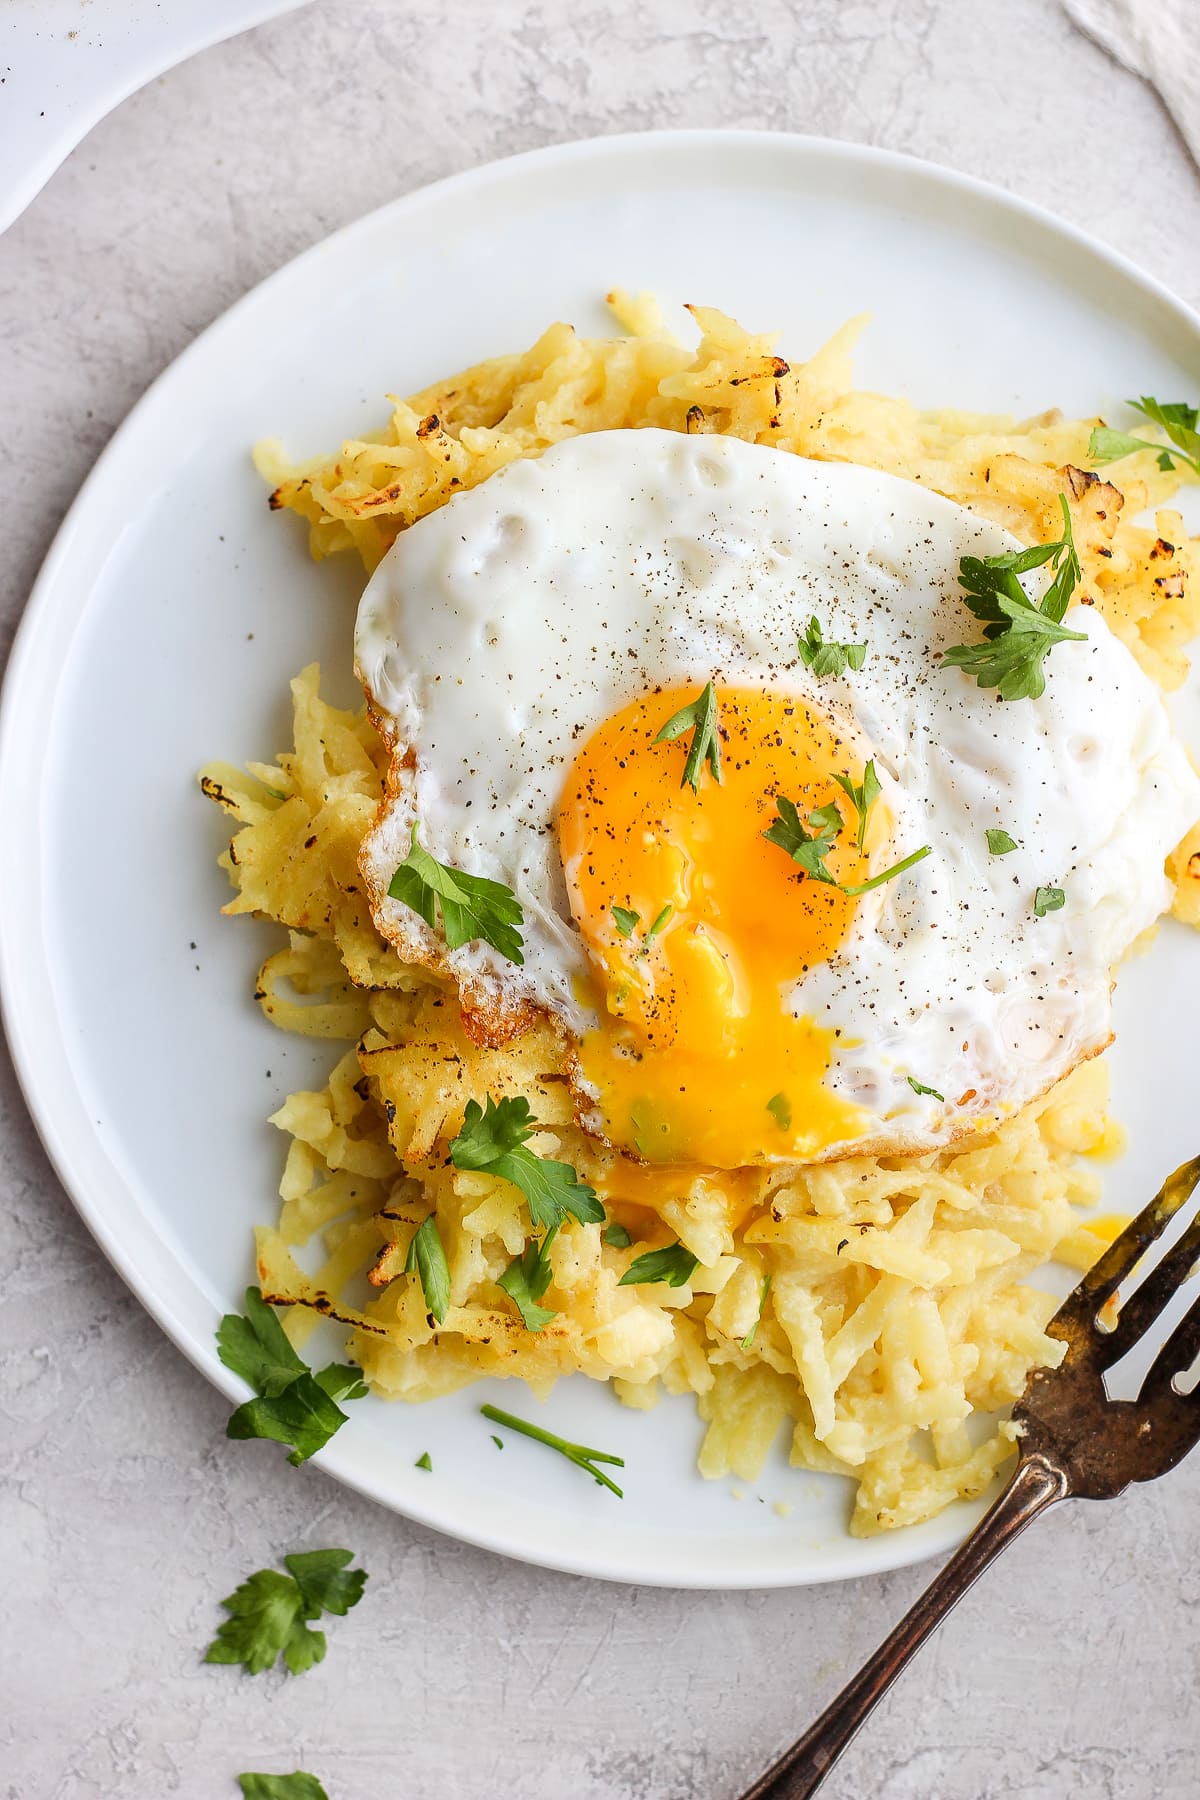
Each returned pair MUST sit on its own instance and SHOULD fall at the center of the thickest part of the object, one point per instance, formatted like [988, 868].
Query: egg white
[501, 630]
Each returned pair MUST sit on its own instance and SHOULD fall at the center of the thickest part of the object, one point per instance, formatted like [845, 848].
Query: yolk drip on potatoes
[698, 1057]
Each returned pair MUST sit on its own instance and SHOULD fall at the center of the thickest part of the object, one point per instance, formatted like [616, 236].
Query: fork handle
[800, 1771]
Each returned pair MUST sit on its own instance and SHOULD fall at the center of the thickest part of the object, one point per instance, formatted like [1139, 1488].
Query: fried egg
[522, 650]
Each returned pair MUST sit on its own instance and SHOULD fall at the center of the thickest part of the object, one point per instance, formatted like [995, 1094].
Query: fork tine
[1176, 1356]
[1105, 1277]
[1141, 1308]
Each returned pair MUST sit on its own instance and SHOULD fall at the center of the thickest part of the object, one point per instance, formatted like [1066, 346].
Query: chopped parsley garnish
[270, 1613]
[809, 848]
[424, 1461]
[780, 1109]
[862, 798]
[616, 1237]
[659, 921]
[526, 1279]
[472, 907]
[906, 862]
[627, 922]
[700, 717]
[576, 1453]
[427, 1259]
[295, 1405]
[1019, 634]
[1176, 418]
[748, 1340]
[674, 1265]
[494, 1142]
[918, 1087]
[828, 659]
[1048, 900]
[298, 1786]
[999, 842]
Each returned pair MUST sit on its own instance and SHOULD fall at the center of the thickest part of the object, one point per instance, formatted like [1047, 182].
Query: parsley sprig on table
[1175, 417]
[297, 1786]
[270, 1613]
[1018, 632]
[493, 1140]
[700, 717]
[472, 907]
[576, 1453]
[295, 1405]
[828, 658]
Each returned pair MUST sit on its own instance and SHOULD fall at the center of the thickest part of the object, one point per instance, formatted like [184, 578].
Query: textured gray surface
[125, 1515]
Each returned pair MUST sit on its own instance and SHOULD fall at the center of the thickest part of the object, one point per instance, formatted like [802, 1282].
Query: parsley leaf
[298, 1786]
[780, 1109]
[1175, 417]
[303, 1416]
[494, 1141]
[808, 848]
[701, 716]
[862, 798]
[294, 1405]
[257, 1347]
[919, 1088]
[342, 1381]
[616, 1237]
[325, 1580]
[576, 1453]
[269, 1613]
[1018, 633]
[1106, 445]
[674, 1265]
[526, 1279]
[809, 851]
[427, 1258]
[748, 1340]
[999, 843]
[828, 659]
[424, 1461]
[626, 922]
[472, 907]
[1048, 900]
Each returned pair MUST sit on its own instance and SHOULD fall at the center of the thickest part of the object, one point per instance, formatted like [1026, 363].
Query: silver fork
[1075, 1443]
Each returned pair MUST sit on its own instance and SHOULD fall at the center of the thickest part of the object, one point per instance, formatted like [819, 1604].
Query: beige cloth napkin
[1158, 39]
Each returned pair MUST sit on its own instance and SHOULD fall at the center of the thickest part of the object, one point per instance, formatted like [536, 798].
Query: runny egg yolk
[697, 1056]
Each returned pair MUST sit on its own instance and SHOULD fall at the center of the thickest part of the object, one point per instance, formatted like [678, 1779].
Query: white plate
[67, 64]
[173, 608]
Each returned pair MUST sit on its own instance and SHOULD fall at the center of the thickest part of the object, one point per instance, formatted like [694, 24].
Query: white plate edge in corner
[22, 178]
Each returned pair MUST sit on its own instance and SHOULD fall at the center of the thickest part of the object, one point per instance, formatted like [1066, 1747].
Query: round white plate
[174, 607]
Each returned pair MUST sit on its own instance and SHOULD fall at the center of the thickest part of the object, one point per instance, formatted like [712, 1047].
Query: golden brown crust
[492, 1014]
